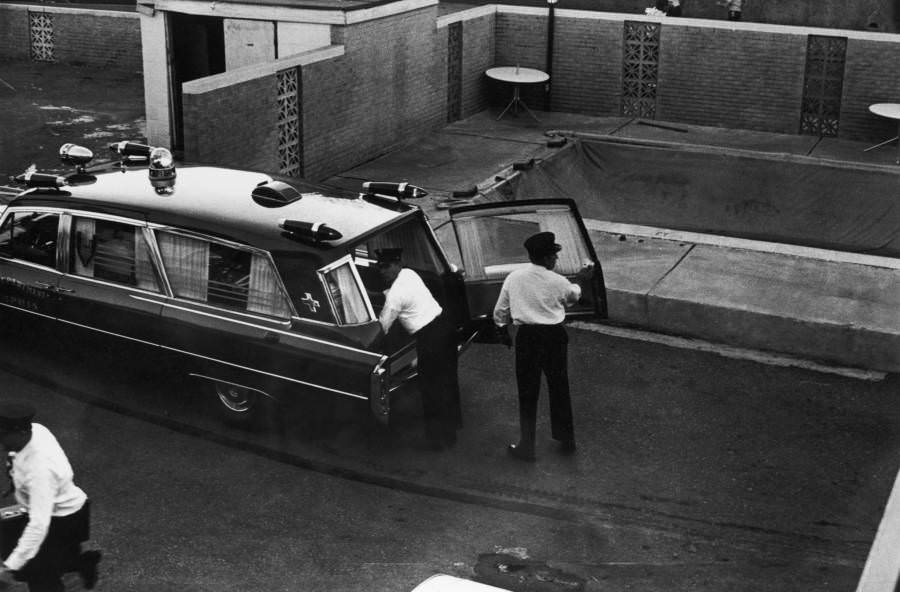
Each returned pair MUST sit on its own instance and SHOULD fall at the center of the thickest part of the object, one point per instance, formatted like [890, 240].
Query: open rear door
[491, 239]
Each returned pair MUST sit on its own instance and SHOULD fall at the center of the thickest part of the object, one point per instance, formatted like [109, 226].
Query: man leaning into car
[409, 301]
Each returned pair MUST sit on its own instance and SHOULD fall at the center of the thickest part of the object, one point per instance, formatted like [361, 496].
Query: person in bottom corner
[58, 511]
[408, 300]
[534, 298]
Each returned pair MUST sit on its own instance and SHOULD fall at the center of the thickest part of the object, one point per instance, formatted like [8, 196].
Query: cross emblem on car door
[310, 302]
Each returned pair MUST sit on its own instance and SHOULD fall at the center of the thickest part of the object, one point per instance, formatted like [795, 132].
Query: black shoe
[517, 451]
[87, 568]
[567, 447]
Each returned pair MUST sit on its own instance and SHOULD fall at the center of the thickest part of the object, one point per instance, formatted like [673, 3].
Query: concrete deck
[833, 307]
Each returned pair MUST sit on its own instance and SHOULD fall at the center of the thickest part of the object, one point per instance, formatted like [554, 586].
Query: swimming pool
[773, 197]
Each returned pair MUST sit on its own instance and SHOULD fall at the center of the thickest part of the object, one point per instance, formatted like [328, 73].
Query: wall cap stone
[466, 15]
[62, 10]
[700, 23]
[288, 13]
[254, 71]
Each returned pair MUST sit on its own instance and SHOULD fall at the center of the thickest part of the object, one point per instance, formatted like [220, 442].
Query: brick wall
[478, 56]
[14, 33]
[386, 90]
[725, 78]
[587, 66]
[102, 38]
[735, 75]
[871, 76]
[233, 125]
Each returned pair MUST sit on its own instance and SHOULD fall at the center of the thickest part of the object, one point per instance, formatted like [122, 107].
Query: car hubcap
[235, 398]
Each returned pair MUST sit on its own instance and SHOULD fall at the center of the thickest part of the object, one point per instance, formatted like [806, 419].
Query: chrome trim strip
[375, 356]
[285, 323]
[249, 388]
[216, 360]
[25, 310]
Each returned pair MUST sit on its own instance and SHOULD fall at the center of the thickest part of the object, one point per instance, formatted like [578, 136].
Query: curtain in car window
[471, 248]
[564, 225]
[265, 295]
[83, 247]
[145, 275]
[347, 297]
[187, 264]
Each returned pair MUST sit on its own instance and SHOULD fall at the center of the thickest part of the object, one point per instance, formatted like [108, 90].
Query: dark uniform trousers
[59, 553]
[543, 349]
[438, 382]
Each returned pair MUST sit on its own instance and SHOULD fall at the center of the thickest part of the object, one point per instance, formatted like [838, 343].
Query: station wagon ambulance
[266, 288]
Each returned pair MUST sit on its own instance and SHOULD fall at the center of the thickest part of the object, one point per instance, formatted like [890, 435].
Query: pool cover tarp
[770, 197]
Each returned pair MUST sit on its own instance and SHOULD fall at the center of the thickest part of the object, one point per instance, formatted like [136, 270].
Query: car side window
[222, 275]
[112, 251]
[346, 293]
[30, 236]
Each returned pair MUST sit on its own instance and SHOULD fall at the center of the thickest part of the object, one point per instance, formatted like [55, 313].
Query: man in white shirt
[58, 513]
[535, 298]
[409, 301]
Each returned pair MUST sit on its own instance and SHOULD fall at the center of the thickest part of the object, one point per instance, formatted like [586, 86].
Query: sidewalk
[834, 307]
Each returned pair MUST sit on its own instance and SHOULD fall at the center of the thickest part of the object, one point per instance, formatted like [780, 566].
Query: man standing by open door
[535, 298]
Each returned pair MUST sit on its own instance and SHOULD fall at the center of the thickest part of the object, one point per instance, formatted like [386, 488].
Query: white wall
[248, 42]
[299, 37]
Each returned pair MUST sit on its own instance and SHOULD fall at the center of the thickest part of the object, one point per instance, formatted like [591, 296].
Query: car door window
[346, 293]
[112, 251]
[30, 236]
[492, 246]
[223, 275]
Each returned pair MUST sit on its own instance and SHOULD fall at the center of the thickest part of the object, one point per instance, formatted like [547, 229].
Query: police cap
[15, 416]
[541, 244]
[388, 255]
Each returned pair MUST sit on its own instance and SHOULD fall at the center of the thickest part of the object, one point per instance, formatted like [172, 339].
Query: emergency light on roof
[397, 190]
[315, 231]
[75, 155]
[134, 149]
[274, 194]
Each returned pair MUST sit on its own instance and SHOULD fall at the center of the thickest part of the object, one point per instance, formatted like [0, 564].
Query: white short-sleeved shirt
[535, 295]
[409, 301]
[42, 477]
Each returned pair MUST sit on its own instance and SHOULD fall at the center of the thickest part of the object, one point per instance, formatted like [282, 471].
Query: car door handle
[66, 290]
[45, 285]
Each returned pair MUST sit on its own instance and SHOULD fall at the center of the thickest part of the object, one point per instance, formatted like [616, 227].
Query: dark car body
[263, 290]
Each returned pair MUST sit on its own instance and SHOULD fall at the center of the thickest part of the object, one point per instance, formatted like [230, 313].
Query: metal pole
[549, 68]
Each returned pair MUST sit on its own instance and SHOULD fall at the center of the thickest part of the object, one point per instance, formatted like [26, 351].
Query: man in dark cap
[408, 300]
[58, 512]
[534, 298]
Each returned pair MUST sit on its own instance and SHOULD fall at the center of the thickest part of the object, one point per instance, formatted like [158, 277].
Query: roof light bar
[316, 231]
[35, 179]
[398, 190]
[126, 148]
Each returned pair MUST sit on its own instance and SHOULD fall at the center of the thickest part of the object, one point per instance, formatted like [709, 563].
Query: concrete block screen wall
[102, 38]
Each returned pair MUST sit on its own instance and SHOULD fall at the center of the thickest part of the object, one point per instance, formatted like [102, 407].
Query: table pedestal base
[514, 105]
[886, 142]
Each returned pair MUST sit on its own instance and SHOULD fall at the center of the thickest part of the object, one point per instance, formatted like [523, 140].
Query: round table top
[891, 110]
[517, 74]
